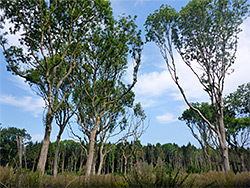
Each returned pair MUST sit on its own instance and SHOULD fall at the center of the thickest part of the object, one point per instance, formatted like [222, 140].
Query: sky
[160, 98]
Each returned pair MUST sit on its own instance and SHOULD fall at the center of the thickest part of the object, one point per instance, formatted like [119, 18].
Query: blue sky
[161, 100]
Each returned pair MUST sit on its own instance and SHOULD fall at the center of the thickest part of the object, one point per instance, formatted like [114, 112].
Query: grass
[145, 176]
[221, 179]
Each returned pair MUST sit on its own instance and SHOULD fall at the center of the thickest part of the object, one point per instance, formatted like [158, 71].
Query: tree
[100, 96]
[238, 127]
[50, 35]
[239, 101]
[62, 118]
[8, 144]
[135, 129]
[205, 34]
[200, 129]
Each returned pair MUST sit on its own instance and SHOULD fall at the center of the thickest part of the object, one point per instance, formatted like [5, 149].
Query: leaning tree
[205, 35]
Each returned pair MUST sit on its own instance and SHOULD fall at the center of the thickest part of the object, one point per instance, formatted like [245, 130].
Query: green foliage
[8, 144]
[239, 101]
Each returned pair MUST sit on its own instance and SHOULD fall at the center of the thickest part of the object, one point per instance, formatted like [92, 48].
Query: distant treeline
[121, 158]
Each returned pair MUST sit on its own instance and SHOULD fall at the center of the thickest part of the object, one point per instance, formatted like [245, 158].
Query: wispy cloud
[27, 103]
[166, 118]
[20, 83]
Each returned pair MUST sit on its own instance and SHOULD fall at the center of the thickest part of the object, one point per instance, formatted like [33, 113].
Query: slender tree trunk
[45, 144]
[91, 153]
[113, 164]
[223, 145]
[125, 165]
[19, 140]
[121, 165]
[55, 168]
[206, 156]
[81, 161]
[63, 162]
[34, 163]
[25, 158]
[101, 160]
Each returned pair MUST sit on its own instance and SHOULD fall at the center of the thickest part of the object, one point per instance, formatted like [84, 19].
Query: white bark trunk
[45, 145]
[91, 153]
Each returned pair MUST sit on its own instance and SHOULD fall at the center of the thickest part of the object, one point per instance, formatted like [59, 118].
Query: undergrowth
[143, 176]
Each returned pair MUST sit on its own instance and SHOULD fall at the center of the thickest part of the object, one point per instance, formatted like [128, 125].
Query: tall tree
[50, 34]
[205, 34]
[100, 95]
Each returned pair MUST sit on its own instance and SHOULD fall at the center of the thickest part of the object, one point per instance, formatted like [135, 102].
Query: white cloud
[242, 63]
[27, 103]
[37, 137]
[20, 82]
[154, 83]
[166, 118]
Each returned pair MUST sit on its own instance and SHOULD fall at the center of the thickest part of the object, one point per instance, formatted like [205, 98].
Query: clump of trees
[74, 54]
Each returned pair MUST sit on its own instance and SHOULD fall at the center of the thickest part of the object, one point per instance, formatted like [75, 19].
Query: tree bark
[55, 168]
[223, 145]
[242, 160]
[19, 140]
[93, 169]
[63, 162]
[101, 160]
[81, 161]
[45, 144]
[91, 153]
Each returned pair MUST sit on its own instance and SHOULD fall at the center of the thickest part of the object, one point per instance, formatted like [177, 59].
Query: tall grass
[147, 176]
[144, 176]
[221, 179]
[10, 177]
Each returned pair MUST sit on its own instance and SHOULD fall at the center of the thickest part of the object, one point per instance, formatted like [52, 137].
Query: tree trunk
[81, 161]
[19, 140]
[34, 163]
[125, 164]
[223, 146]
[113, 164]
[55, 168]
[91, 153]
[25, 158]
[93, 169]
[242, 160]
[101, 160]
[63, 162]
[45, 144]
